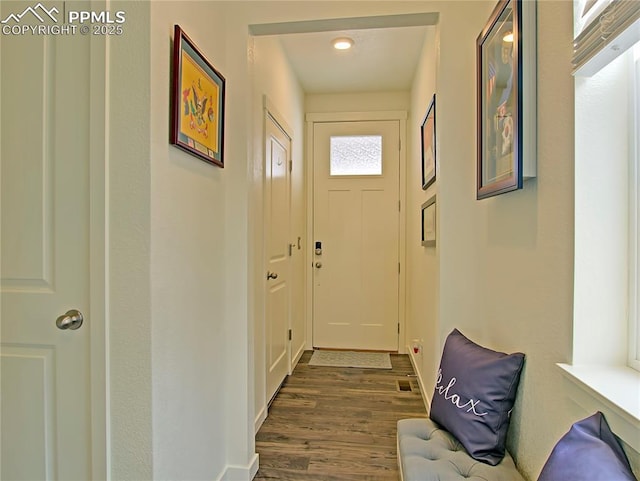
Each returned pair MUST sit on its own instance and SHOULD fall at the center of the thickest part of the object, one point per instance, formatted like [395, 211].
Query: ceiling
[385, 55]
[382, 59]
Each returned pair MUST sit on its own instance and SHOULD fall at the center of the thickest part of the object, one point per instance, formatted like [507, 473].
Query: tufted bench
[426, 452]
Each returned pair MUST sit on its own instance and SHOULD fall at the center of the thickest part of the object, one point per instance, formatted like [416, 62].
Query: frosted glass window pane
[356, 155]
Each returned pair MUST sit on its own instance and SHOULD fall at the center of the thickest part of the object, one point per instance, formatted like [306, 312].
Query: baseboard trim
[296, 359]
[260, 418]
[241, 473]
[416, 369]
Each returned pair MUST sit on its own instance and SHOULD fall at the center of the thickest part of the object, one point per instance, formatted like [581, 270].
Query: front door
[355, 238]
[45, 363]
[277, 225]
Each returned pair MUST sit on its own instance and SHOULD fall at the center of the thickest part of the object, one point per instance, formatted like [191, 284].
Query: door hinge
[290, 250]
[398, 328]
[290, 334]
[399, 206]
[399, 144]
[291, 166]
[398, 268]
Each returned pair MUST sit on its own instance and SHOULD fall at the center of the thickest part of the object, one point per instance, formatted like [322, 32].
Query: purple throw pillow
[474, 395]
[588, 452]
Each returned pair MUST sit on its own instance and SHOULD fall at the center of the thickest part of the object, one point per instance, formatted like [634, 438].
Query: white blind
[610, 33]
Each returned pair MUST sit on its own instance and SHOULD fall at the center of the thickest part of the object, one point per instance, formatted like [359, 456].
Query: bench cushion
[426, 452]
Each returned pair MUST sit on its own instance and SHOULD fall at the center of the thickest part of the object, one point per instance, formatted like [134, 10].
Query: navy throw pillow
[588, 452]
[474, 395]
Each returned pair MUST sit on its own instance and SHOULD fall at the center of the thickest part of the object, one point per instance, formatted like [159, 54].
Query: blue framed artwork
[506, 98]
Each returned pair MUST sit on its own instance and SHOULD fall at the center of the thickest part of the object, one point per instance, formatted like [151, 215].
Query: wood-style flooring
[337, 424]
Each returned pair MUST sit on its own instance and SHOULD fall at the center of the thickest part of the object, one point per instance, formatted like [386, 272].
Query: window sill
[614, 390]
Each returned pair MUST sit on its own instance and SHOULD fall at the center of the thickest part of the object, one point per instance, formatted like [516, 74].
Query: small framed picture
[429, 222]
[428, 135]
[198, 102]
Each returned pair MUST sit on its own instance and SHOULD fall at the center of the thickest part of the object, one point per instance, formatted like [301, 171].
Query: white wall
[602, 220]
[273, 77]
[129, 238]
[505, 273]
[188, 281]
[184, 296]
[182, 300]
[422, 262]
[357, 102]
[180, 362]
[505, 263]
[601, 251]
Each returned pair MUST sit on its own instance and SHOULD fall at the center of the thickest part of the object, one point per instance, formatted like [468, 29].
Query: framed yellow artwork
[198, 102]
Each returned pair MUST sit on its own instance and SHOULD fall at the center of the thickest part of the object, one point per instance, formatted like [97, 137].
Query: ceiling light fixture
[508, 37]
[342, 43]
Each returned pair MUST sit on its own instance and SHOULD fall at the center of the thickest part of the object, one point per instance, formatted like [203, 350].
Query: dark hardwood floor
[333, 423]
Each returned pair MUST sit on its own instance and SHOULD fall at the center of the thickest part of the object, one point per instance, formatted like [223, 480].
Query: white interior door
[277, 224]
[356, 222]
[44, 169]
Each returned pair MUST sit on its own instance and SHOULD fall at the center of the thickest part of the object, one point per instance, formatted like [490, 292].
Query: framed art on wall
[428, 136]
[506, 96]
[429, 222]
[198, 106]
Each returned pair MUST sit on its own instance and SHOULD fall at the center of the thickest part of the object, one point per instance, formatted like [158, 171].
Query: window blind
[608, 35]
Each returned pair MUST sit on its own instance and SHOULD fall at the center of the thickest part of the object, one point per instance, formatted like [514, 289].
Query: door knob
[272, 275]
[318, 265]
[72, 319]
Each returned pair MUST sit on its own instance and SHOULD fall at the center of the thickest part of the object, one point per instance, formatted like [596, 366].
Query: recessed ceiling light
[342, 43]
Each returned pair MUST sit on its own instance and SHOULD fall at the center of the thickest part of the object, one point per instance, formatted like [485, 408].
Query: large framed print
[198, 106]
[428, 136]
[506, 98]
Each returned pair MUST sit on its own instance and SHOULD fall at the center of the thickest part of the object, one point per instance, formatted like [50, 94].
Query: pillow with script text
[474, 395]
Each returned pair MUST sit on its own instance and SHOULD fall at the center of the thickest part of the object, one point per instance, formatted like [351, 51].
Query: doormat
[367, 360]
